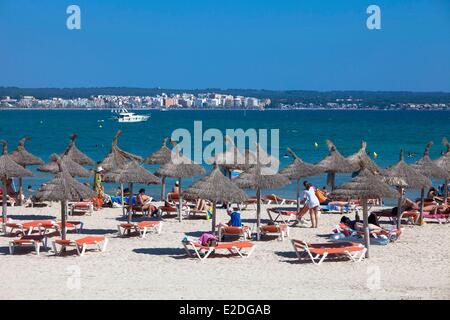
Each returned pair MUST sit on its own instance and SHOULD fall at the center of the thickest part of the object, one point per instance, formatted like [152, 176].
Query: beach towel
[209, 214]
[205, 237]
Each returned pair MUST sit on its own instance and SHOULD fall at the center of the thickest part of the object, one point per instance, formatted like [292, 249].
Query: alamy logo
[73, 21]
[374, 20]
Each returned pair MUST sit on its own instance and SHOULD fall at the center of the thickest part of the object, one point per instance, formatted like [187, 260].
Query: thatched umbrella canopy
[24, 158]
[261, 157]
[63, 188]
[334, 163]
[444, 163]
[117, 158]
[298, 170]
[161, 157]
[179, 167]
[230, 159]
[361, 158]
[365, 186]
[430, 169]
[260, 177]
[403, 175]
[75, 154]
[131, 173]
[9, 169]
[73, 168]
[216, 188]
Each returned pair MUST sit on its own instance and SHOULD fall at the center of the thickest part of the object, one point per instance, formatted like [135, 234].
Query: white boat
[123, 115]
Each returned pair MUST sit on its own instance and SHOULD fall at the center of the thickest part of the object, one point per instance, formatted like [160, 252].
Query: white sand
[416, 266]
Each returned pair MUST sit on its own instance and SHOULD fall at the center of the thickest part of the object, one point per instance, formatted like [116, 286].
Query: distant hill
[277, 96]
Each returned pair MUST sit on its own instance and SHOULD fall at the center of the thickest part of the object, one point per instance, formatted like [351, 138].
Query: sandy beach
[414, 267]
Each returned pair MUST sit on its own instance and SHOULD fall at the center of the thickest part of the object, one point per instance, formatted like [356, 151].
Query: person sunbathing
[144, 201]
[235, 218]
[359, 226]
[202, 205]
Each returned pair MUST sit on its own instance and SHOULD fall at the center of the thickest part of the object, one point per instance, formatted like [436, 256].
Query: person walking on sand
[312, 203]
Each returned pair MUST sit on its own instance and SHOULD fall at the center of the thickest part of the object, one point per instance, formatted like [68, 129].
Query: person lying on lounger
[144, 201]
[359, 226]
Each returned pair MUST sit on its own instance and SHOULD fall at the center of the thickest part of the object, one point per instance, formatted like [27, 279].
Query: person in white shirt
[312, 202]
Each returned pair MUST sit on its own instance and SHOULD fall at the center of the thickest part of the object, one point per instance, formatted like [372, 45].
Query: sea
[304, 131]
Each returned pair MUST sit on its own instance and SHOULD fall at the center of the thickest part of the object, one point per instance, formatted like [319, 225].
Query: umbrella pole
[130, 202]
[446, 191]
[4, 200]
[366, 227]
[298, 195]
[213, 226]
[122, 200]
[63, 219]
[180, 200]
[258, 212]
[163, 188]
[399, 208]
[422, 199]
[19, 201]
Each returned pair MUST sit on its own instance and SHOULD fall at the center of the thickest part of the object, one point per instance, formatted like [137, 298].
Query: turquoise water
[385, 132]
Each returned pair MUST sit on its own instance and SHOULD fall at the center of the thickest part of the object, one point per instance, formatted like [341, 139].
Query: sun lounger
[251, 201]
[81, 244]
[232, 247]
[272, 198]
[142, 227]
[317, 252]
[390, 234]
[411, 216]
[27, 227]
[82, 206]
[35, 241]
[284, 216]
[281, 230]
[440, 218]
[243, 232]
[164, 211]
[76, 226]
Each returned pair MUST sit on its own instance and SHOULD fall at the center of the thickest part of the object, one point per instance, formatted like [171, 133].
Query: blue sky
[284, 44]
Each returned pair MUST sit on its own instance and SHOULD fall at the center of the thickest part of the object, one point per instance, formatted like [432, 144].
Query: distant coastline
[107, 98]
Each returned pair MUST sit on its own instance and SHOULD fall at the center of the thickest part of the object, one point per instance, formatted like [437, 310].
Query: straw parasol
[131, 173]
[179, 167]
[334, 163]
[260, 157]
[230, 159]
[297, 170]
[9, 169]
[429, 169]
[161, 156]
[444, 163]
[365, 186]
[24, 158]
[117, 158]
[63, 188]
[403, 175]
[260, 177]
[73, 168]
[216, 188]
[361, 158]
[75, 154]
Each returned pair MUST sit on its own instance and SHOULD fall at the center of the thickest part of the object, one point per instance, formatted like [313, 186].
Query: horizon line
[221, 89]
